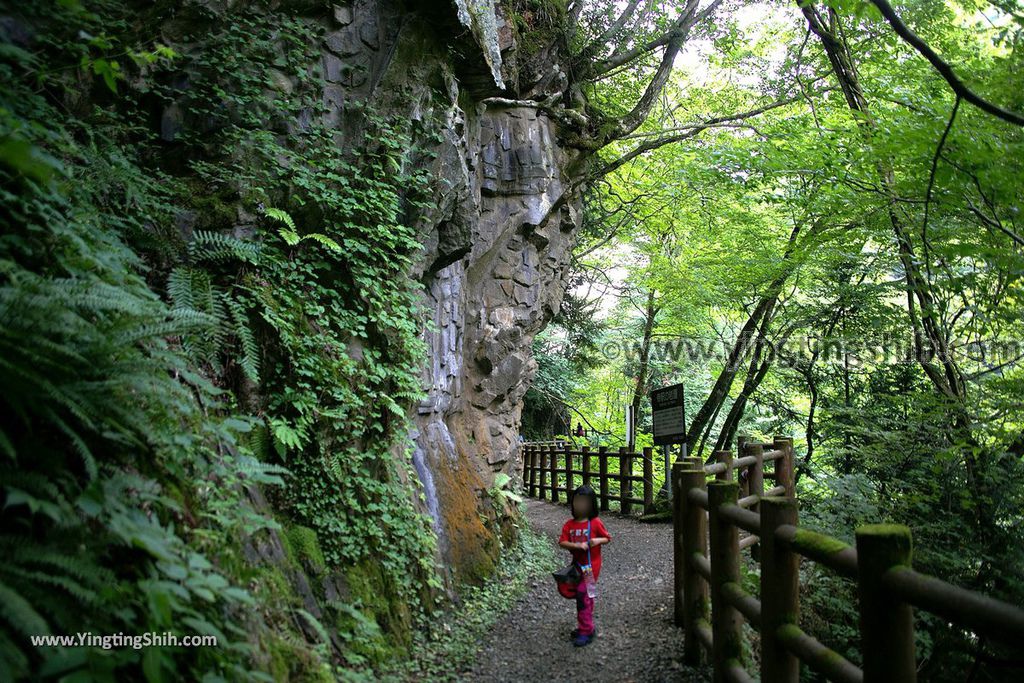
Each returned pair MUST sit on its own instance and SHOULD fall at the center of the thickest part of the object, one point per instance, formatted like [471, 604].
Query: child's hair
[587, 493]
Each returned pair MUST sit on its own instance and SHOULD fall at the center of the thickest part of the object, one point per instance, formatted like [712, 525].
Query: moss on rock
[304, 547]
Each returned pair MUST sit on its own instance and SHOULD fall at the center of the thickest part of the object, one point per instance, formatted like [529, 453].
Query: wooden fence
[707, 520]
[551, 470]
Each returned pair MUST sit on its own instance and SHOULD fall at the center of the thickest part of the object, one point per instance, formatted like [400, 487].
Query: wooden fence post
[678, 544]
[568, 472]
[586, 465]
[524, 453]
[743, 445]
[886, 623]
[553, 467]
[692, 462]
[784, 465]
[527, 468]
[780, 592]
[755, 484]
[726, 622]
[533, 471]
[542, 491]
[625, 483]
[691, 604]
[725, 457]
[648, 480]
[602, 469]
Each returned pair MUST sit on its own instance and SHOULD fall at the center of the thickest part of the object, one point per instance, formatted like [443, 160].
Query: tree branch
[688, 132]
[943, 67]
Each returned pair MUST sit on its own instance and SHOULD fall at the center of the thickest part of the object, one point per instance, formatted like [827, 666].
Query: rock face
[496, 252]
[488, 305]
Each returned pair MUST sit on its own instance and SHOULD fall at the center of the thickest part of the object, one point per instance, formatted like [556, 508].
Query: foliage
[796, 206]
[444, 651]
[171, 337]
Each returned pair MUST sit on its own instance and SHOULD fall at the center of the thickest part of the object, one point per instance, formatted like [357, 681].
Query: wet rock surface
[636, 641]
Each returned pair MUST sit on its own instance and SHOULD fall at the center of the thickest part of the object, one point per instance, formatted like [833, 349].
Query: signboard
[668, 414]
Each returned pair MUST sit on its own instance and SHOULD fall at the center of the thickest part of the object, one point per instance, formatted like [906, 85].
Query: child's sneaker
[575, 633]
[581, 640]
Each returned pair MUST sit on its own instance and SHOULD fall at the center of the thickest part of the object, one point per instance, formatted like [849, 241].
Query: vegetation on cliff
[190, 313]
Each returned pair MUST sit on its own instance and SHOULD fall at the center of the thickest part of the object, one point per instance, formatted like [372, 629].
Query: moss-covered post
[625, 483]
[553, 471]
[726, 622]
[694, 542]
[726, 458]
[886, 623]
[780, 591]
[648, 480]
[568, 471]
[602, 468]
[586, 465]
[784, 465]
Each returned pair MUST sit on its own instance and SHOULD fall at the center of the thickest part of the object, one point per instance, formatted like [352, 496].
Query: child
[583, 536]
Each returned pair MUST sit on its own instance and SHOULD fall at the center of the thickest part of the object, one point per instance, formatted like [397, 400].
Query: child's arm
[600, 535]
[564, 542]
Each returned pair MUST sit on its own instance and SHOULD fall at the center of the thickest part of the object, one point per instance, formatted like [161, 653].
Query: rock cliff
[496, 244]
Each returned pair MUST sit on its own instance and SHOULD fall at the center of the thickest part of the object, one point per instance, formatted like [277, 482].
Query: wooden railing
[554, 469]
[707, 520]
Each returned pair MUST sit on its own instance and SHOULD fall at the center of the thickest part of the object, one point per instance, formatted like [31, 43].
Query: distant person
[583, 536]
[579, 429]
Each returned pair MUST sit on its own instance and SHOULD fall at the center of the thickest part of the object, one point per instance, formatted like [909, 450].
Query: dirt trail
[636, 640]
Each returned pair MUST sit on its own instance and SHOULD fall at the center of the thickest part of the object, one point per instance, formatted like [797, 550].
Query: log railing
[553, 470]
[707, 520]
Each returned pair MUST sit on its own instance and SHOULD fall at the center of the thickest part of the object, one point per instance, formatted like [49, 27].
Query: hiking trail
[636, 639]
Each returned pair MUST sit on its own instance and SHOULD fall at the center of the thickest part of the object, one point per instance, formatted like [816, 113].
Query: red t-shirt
[576, 532]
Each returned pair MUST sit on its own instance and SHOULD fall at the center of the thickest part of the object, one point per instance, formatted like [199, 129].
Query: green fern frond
[290, 237]
[281, 216]
[20, 614]
[324, 240]
[260, 472]
[44, 579]
[250, 358]
[80, 447]
[212, 246]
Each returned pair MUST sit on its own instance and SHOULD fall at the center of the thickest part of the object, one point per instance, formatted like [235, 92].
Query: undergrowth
[449, 646]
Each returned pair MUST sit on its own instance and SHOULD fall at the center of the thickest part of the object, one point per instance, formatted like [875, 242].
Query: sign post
[668, 414]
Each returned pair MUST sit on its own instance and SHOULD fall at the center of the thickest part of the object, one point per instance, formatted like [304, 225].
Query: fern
[260, 472]
[324, 240]
[281, 216]
[290, 233]
[249, 359]
[212, 246]
[20, 614]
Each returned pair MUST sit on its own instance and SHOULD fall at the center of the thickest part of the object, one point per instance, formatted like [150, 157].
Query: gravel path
[636, 642]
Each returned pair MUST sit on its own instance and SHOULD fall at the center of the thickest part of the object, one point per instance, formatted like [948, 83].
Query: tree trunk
[643, 370]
